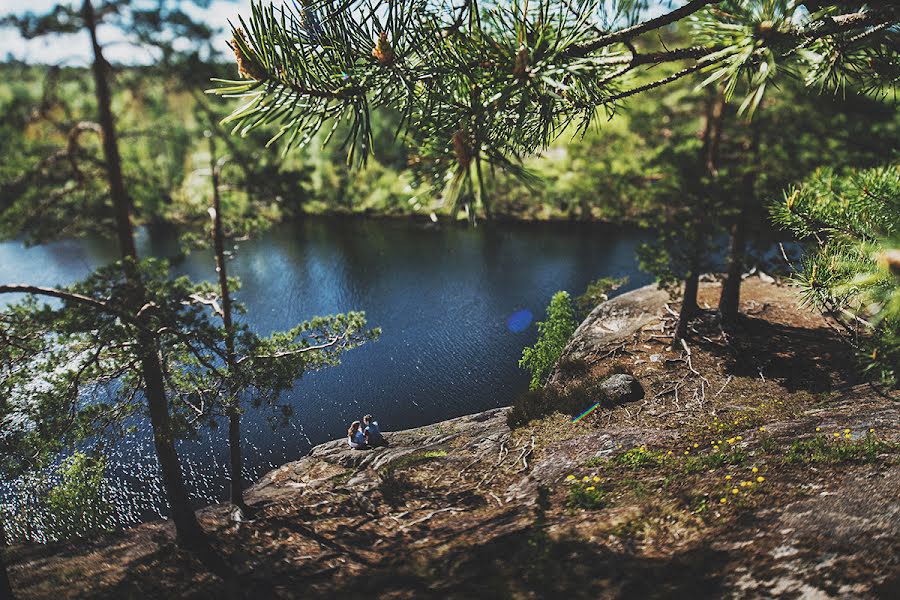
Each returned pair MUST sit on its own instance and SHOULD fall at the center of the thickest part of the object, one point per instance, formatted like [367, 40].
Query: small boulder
[621, 388]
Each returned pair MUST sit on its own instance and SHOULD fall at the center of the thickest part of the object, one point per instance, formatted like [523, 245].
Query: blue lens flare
[519, 320]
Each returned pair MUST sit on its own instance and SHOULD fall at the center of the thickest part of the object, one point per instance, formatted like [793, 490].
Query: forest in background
[624, 169]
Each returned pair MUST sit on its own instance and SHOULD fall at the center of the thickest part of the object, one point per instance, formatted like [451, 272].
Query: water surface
[443, 297]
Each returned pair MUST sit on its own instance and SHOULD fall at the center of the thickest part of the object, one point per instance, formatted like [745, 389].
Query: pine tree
[852, 269]
[483, 84]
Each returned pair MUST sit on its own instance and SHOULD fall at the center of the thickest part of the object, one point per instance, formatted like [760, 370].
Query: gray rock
[622, 388]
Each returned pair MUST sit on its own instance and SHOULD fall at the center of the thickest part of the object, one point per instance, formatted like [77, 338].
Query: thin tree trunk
[712, 134]
[689, 305]
[6, 591]
[234, 415]
[730, 298]
[187, 527]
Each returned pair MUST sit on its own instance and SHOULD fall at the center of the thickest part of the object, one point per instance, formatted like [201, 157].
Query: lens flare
[585, 413]
[519, 320]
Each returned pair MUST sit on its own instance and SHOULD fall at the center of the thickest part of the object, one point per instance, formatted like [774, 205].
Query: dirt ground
[756, 466]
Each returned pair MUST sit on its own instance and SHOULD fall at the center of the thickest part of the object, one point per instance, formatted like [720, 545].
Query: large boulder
[612, 323]
[621, 388]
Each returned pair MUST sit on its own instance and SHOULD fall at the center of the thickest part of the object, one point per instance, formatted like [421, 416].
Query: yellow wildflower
[846, 431]
[727, 477]
[760, 479]
[591, 489]
[847, 435]
[762, 428]
[696, 445]
[723, 500]
[570, 478]
[871, 430]
[837, 434]
[585, 479]
[596, 479]
[734, 490]
[754, 470]
[818, 429]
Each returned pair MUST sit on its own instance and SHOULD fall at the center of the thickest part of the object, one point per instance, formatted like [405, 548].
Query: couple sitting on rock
[360, 437]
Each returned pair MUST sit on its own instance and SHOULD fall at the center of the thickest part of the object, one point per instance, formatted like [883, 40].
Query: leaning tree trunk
[234, 415]
[730, 298]
[187, 527]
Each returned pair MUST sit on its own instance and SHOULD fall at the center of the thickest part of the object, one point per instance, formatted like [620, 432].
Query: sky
[75, 49]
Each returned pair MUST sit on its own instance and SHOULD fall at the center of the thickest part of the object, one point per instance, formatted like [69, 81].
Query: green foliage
[88, 344]
[78, 504]
[596, 292]
[851, 270]
[837, 449]
[480, 85]
[713, 460]
[639, 458]
[586, 494]
[553, 335]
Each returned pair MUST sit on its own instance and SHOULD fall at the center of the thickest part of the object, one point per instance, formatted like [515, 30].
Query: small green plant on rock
[553, 335]
[641, 457]
[596, 292]
[838, 447]
[585, 493]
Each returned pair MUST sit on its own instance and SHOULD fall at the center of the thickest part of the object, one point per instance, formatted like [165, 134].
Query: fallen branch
[430, 515]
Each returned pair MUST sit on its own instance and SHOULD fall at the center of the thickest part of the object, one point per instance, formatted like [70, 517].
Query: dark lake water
[442, 296]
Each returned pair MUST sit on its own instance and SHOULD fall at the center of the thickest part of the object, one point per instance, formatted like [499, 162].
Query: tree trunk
[712, 134]
[6, 592]
[187, 527]
[730, 298]
[234, 415]
[689, 305]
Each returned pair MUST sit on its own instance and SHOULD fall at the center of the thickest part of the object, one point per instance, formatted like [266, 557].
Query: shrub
[77, 503]
[553, 335]
[572, 400]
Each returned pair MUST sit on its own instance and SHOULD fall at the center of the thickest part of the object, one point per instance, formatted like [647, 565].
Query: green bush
[553, 335]
[77, 504]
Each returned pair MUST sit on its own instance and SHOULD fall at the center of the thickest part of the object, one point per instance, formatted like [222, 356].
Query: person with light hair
[355, 436]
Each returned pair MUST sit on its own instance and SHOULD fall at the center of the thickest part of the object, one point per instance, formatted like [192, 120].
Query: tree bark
[187, 527]
[730, 298]
[712, 134]
[689, 305]
[6, 591]
[236, 491]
